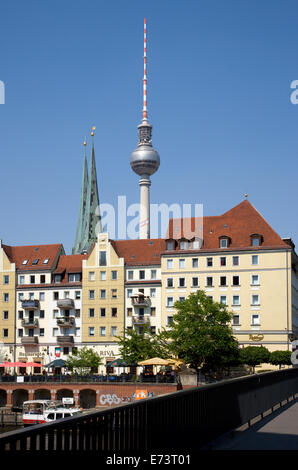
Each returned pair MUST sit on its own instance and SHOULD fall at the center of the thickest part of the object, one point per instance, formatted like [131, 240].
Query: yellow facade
[7, 298]
[257, 291]
[102, 294]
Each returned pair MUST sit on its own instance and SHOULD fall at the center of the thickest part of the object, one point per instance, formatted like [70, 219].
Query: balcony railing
[29, 340]
[30, 323]
[30, 304]
[66, 321]
[65, 304]
[141, 320]
[140, 300]
[65, 339]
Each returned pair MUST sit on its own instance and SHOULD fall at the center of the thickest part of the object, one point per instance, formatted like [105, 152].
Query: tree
[83, 361]
[254, 355]
[200, 333]
[278, 358]
[137, 346]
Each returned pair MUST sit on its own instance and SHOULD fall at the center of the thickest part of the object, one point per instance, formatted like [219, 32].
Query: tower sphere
[144, 160]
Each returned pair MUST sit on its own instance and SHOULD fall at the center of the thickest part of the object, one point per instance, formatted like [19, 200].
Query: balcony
[140, 300]
[29, 340]
[65, 339]
[66, 304]
[30, 304]
[66, 321]
[30, 323]
[141, 320]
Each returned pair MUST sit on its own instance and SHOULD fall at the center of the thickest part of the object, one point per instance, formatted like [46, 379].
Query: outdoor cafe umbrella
[56, 363]
[154, 361]
[120, 363]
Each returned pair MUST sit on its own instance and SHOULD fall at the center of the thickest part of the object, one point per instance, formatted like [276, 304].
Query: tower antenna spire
[145, 114]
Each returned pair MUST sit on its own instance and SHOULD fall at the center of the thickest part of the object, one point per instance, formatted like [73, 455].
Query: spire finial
[85, 142]
[92, 131]
[245, 195]
[145, 114]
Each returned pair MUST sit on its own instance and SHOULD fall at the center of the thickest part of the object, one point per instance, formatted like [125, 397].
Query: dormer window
[35, 261]
[224, 242]
[196, 244]
[25, 261]
[46, 260]
[256, 239]
[183, 244]
[170, 245]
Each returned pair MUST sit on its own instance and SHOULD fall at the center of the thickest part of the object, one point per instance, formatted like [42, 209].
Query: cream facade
[7, 305]
[103, 298]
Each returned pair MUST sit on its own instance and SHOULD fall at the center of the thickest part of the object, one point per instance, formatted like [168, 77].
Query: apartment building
[7, 302]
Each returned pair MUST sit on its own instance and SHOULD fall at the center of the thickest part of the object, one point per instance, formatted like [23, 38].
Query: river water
[9, 427]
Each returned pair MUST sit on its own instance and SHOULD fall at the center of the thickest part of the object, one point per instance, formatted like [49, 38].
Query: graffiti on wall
[113, 399]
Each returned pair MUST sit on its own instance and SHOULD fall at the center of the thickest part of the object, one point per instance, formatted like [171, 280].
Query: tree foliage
[279, 358]
[254, 355]
[201, 334]
[83, 361]
[137, 346]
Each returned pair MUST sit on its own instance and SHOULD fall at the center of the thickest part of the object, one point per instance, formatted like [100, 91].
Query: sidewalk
[277, 431]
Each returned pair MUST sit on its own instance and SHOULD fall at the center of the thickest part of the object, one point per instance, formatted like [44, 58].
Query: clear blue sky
[219, 75]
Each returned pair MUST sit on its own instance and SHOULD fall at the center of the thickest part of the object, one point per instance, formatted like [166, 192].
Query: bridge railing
[75, 378]
[184, 420]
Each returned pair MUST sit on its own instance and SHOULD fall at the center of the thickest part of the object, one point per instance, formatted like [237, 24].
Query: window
[91, 330]
[20, 333]
[55, 295]
[169, 321]
[5, 297]
[46, 260]
[102, 331]
[129, 293]
[236, 281]
[170, 301]
[255, 319]
[129, 312]
[223, 299]
[22, 279]
[195, 282]
[77, 294]
[153, 273]
[91, 294]
[153, 292]
[113, 330]
[5, 332]
[42, 279]
[170, 245]
[74, 277]
[223, 243]
[142, 274]
[170, 282]
[35, 261]
[130, 275]
[169, 263]
[66, 294]
[77, 313]
[57, 278]
[55, 331]
[66, 351]
[55, 313]
[223, 281]
[25, 261]
[223, 261]
[236, 320]
[181, 281]
[32, 279]
[5, 315]
[209, 262]
[209, 281]
[256, 240]
[41, 331]
[236, 300]
[196, 244]
[181, 263]
[255, 259]
[152, 311]
[21, 296]
[102, 312]
[77, 333]
[114, 275]
[5, 279]
[102, 258]
[114, 293]
[102, 293]
[91, 312]
[183, 245]
[255, 300]
[20, 314]
[103, 275]
[114, 312]
[195, 262]
[235, 260]
[181, 299]
[91, 276]
[255, 279]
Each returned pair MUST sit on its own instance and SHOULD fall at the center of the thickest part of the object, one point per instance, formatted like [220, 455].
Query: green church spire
[82, 210]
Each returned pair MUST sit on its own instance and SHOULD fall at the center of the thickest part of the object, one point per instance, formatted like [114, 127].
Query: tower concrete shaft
[145, 184]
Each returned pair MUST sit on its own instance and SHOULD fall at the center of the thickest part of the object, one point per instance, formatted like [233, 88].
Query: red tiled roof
[139, 252]
[70, 263]
[17, 255]
[239, 223]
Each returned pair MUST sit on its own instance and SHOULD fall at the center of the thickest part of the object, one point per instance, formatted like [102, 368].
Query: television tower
[145, 160]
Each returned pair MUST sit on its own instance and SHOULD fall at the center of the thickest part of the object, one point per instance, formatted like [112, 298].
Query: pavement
[276, 431]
